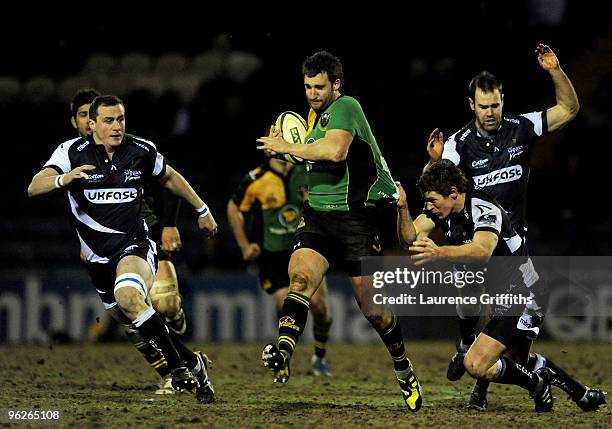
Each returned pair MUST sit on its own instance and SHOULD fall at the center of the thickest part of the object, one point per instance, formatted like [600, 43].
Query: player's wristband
[59, 181]
[203, 211]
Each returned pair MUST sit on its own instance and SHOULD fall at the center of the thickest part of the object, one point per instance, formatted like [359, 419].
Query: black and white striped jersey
[499, 164]
[482, 212]
[106, 206]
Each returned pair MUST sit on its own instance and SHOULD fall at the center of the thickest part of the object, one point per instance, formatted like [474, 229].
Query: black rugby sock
[393, 339]
[184, 352]
[320, 330]
[155, 358]
[467, 327]
[292, 321]
[515, 373]
[561, 379]
[153, 330]
[483, 384]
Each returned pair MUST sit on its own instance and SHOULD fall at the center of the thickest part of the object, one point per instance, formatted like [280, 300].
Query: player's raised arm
[567, 105]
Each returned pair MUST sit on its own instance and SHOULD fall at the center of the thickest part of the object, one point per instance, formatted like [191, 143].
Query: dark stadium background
[409, 71]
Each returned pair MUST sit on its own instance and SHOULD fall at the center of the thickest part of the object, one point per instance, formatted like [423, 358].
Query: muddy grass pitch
[110, 385]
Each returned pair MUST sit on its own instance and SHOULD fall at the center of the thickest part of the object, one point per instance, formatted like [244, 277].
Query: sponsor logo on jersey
[324, 119]
[141, 145]
[132, 175]
[111, 196]
[487, 219]
[515, 151]
[496, 177]
[83, 145]
[95, 177]
[129, 249]
[479, 163]
[514, 121]
[465, 134]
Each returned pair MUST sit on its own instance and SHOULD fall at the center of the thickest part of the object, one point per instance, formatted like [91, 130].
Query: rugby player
[339, 221]
[103, 174]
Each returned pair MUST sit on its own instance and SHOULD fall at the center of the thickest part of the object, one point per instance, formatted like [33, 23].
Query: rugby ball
[293, 127]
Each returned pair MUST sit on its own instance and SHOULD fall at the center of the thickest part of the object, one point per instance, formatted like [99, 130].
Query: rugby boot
[278, 361]
[205, 393]
[592, 400]
[478, 399]
[319, 367]
[542, 394]
[411, 390]
[183, 379]
[455, 368]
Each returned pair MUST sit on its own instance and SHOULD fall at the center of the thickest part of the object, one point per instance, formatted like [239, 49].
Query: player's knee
[300, 282]
[130, 292]
[377, 319]
[474, 366]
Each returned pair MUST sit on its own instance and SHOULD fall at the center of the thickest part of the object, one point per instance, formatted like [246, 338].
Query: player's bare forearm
[567, 101]
[406, 231]
[42, 183]
[48, 180]
[176, 183]
[333, 147]
[567, 106]
[236, 221]
[469, 250]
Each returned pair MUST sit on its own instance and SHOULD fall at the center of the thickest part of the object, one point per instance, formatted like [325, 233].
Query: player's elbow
[32, 190]
[569, 113]
[337, 157]
[404, 242]
[574, 109]
[338, 154]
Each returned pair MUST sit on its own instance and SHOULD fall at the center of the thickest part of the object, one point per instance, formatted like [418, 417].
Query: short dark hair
[103, 100]
[323, 62]
[440, 177]
[486, 81]
[83, 96]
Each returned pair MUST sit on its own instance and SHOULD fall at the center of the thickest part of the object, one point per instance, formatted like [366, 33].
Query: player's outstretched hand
[435, 144]
[208, 225]
[546, 57]
[77, 174]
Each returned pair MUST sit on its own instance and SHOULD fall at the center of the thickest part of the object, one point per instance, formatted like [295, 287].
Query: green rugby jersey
[363, 178]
